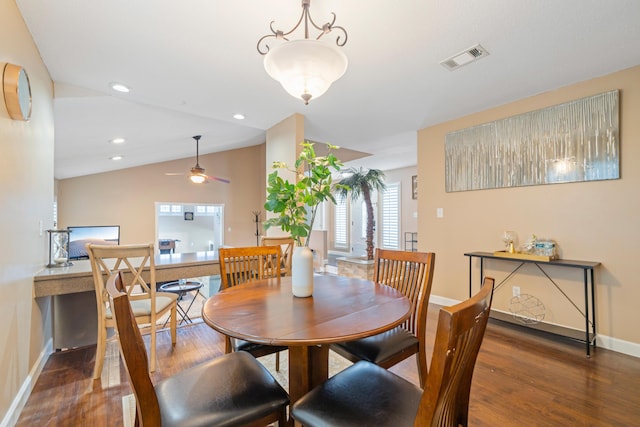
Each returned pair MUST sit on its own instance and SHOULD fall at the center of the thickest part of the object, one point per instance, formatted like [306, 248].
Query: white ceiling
[193, 64]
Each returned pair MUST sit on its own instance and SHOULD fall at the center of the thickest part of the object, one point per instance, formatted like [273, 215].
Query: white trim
[621, 346]
[603, 341]
[443, 301]
[13, 413]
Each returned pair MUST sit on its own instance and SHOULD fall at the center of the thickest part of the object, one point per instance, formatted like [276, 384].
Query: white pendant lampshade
[306, 68]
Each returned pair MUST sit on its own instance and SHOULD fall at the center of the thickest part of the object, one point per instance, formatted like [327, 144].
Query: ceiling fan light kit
[197, 173]
[305, 68]
[195, 177]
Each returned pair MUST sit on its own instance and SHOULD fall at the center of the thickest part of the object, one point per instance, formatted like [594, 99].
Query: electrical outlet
[516, 291]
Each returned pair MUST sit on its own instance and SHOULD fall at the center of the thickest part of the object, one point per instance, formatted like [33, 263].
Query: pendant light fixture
[305, 67]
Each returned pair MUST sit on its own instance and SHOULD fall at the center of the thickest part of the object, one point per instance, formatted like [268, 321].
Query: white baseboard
[603, 341]
[435, 299]
[13, 413]
[621, 346]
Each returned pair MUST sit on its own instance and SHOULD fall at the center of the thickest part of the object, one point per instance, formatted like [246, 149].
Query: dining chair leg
[152, 362]
[278, 362]
[423, 370]
[282, 418]
[174, 325]
[101, 348]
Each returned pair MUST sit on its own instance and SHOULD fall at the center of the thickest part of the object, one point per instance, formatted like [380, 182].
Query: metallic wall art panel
[575, 141]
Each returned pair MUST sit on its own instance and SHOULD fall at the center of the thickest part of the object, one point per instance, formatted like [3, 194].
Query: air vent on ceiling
[465, 57]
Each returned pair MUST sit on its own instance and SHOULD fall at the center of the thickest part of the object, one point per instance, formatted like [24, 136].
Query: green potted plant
[296, 205]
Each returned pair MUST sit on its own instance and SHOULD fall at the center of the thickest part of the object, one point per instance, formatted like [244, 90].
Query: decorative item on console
[542, 249]
[530, 244]
[546, 247]
[539, 246]
[510, 239]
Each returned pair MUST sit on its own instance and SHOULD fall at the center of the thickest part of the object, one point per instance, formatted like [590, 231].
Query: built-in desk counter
[78, 277]
[74, 314]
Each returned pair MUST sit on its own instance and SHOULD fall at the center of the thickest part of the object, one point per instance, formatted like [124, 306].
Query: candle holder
[59, 248]
[510, 241]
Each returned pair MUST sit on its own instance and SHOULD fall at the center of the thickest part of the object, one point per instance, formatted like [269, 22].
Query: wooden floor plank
[521, 379]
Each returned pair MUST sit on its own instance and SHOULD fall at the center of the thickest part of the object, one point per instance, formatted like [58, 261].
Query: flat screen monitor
[79, 236]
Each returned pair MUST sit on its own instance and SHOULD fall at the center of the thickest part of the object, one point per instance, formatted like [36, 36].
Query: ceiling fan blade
[173, 173]
[226, 181]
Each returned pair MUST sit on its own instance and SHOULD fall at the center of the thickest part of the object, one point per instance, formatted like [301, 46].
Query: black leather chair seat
[378, 348]
[362, 395]
[210, 393]
[253, 348]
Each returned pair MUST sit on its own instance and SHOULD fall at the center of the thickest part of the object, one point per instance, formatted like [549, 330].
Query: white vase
[302, 272]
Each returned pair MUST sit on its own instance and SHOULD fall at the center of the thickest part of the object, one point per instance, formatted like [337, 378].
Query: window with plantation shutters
[340, 225]
[390, 217]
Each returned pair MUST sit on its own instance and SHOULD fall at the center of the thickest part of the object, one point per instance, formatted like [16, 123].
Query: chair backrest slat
[412, 274]
[461, 328]
[136, 261]
[286, 247]
[247, 264]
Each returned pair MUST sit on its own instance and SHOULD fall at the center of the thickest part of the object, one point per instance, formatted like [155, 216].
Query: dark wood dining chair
[231, 390]
[286, 244]
[411, 273]
[244, 265]
[366, 394]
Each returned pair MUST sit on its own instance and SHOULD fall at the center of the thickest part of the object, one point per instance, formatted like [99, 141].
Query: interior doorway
[189, 227]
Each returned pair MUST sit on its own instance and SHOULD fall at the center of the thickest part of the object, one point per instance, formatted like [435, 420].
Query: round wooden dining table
[340, 309]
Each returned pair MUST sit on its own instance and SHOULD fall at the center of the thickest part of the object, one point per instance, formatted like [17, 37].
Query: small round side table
[181, 288]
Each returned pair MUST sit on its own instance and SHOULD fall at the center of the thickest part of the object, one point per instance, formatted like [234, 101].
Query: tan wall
[283, 145]
[26, 198]
[595, 221]
[127, 197]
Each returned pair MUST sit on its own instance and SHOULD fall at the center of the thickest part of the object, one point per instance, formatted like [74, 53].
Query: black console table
[589, 311]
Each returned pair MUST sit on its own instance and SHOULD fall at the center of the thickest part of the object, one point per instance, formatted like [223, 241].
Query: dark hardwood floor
[522, 378]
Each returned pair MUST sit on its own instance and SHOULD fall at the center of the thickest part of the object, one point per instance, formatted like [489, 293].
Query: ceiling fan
[197, 174]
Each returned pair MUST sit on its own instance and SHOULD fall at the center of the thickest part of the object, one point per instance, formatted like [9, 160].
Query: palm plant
[361, 183]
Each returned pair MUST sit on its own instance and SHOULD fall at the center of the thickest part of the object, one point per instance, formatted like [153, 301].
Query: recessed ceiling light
[117, 141]
[116, 157]
[119, 87]
[238, 116]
